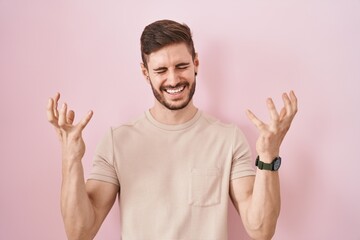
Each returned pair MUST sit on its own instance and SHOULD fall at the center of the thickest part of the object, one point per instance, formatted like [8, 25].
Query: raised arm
[84, 206]
[258, 200]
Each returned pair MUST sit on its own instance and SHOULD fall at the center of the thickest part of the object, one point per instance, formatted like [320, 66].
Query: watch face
[277, 163]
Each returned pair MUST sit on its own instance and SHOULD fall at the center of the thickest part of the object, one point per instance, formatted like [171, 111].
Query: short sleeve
[103, 163]
[242, 164]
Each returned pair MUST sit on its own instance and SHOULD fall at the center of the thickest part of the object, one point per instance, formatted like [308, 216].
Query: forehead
[168, 55]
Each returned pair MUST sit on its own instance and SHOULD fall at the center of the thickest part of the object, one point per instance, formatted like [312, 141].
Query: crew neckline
[175, 127]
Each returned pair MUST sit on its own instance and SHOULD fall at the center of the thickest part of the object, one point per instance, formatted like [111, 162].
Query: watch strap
[263, 166]
[268, 166]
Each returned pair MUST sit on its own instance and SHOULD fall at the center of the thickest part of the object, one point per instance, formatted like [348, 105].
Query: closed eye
[182, 65]
[160, 70]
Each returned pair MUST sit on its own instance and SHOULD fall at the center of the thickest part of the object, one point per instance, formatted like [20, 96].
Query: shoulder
[231, 129]
[219, 128]
[217, 123]
[130, 125]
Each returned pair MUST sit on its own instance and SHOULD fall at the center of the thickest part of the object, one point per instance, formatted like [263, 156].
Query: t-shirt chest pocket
[204, 189]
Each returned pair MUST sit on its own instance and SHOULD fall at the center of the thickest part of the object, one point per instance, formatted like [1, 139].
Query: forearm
[265, 204]
[76, 208]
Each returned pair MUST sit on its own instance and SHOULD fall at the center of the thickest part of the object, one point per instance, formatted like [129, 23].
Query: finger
[293, 100]
[85, 120]
[55, 105]
[272, 109]
[50, 113]
[62, 115]
[70, 117]
[287, 104]
[257, 122]
[282, 113]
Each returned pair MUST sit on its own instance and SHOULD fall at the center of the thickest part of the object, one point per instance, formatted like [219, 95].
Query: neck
[173, 117]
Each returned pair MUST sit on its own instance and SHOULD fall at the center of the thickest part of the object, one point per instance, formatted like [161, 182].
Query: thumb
[256, 121]
[82, 124]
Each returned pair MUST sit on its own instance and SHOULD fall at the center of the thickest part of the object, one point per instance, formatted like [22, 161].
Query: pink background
[249, 50]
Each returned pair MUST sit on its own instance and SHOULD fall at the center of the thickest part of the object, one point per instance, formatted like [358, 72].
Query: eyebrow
[177, 65]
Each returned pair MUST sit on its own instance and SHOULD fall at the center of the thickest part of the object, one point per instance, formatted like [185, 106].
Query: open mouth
[175, 90]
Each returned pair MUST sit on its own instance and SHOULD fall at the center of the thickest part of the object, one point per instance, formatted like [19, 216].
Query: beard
[173, 106]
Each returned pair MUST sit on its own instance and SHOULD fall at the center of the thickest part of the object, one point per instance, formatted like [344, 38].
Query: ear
[145, 72]
[196, 62]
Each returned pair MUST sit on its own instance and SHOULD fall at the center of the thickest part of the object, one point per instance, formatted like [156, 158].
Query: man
[175, 166]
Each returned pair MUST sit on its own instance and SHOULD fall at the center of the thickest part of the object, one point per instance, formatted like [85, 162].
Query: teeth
[176, 90]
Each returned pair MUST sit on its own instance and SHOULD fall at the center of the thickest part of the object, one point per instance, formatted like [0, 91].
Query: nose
[172, 78]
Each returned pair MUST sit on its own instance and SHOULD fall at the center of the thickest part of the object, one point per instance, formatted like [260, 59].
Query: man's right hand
[70, 135]
[84, 205]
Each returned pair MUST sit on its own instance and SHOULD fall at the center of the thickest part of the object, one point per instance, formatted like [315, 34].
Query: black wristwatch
[273, 166]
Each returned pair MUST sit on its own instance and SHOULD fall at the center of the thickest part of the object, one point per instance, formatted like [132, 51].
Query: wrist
[267, 157]
[69, 167]
[69, 156]
[273, 166]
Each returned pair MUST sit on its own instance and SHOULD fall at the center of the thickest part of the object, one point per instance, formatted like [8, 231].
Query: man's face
[171, 71]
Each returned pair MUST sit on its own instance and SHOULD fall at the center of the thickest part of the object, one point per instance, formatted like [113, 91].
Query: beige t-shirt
[173, 179]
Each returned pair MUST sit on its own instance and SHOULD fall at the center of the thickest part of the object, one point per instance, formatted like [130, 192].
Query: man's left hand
[272, 134]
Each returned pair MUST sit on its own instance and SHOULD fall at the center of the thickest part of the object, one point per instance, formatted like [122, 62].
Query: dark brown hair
[163, 33]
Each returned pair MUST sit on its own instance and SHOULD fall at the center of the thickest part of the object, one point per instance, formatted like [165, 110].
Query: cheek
[188, 75]
[156, 82]
[191, 76]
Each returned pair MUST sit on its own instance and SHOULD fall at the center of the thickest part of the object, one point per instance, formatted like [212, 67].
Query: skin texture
[257, 199]
[169, 67]
[84, 206]
[171, 76]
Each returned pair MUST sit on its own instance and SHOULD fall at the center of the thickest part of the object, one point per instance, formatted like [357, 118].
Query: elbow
[261, 234]
[78, 226]
[75, 233]
[263, 229]
[75, 230]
